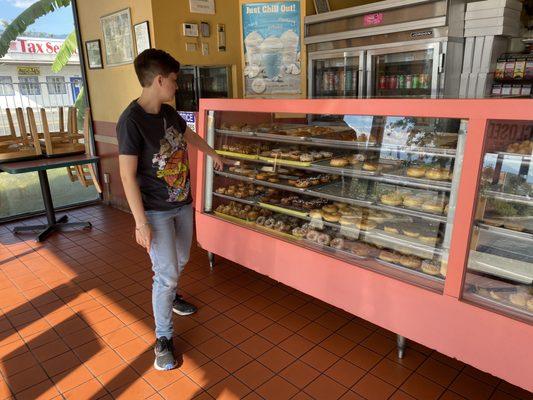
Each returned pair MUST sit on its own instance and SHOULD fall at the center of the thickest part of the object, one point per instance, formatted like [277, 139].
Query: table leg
[53, 225]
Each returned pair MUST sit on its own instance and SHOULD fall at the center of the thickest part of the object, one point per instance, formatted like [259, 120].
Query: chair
[14, 147]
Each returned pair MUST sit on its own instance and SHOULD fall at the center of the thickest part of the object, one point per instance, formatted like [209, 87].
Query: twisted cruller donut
[324, 239]
[312, 235]
[269, 223]
[337, 243]
[260, 220]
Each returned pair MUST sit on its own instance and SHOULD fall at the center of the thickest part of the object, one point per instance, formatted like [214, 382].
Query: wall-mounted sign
[189, 118]
[373, 19]
[25, 71]
[421, 34]
[202, 6]
[271, 35]
[118, 39]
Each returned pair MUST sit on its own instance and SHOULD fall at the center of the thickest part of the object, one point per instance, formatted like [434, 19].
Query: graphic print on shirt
[172, 164]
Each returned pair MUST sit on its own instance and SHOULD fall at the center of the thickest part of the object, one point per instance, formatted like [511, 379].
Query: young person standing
[154, 168]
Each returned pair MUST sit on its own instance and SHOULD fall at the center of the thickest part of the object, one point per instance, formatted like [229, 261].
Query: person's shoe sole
[168, 367]
[176, 311]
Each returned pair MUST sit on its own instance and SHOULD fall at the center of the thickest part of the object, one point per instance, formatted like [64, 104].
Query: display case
[375, 191]
[500, 264]
[394, 215]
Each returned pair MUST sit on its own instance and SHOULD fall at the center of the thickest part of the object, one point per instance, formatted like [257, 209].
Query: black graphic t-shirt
[163, 166]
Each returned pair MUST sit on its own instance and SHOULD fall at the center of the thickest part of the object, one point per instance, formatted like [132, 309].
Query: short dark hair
[153, 62]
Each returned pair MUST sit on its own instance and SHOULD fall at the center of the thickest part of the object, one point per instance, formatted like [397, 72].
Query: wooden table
[41, 166]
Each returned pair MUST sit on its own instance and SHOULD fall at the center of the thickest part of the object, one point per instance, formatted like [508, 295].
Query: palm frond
[69, 46]
[80, 105]
[27, 17]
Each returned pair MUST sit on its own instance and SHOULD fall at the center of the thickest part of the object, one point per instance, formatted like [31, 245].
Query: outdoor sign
[25, 71]
[35, 46]
[271, 36]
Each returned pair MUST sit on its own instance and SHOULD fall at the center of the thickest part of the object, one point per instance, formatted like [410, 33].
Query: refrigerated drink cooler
[202, 82]
[388, 49]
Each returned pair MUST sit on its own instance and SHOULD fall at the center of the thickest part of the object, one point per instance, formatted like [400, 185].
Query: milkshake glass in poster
[271, 35]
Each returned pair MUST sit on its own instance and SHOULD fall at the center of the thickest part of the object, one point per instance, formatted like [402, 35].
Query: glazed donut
[410, 262]
[306, 157]
[392, 199]
[252, 215]
[356, 159]
[298, 232]
[338, 162]
[279, 226]
[433, 206]
[391, 229]
[330, 208]
[530, 304]
[349, 220]
[273, 179]
[315, 214]
[389, 256]
[411, 232]
[262, 176]
[331, 217]
[370, 166]
[323, 239]
[269, 223]
[416, 172]
[260, 220]
[340, 205]
[366, 225]
[519, 299]
[312, 235]
[326, 154]
[302, 183]
[434, 173]
[337, 243]
[412, 201]
[429, 239]
[430, 267]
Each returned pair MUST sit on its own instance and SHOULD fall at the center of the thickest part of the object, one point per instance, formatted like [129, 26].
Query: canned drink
[416, 81]
[325, 81]
[408, 82]
[342, 81]
[331, 80]
[424, 84]
[348, 80]
[382, 82]
[354, 80]
[401, 81]
[393, 82]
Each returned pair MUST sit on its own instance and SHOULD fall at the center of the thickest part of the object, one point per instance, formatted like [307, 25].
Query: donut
[306, 157]
[314, 181]
[430, 267]
[279, 226]
[389, 256]
[312, 235]
[326, 154]
[340, 205]
[349, 220]
[302, 183]
[410, 261]
[391, 229]
[338, 162]
[337, 243]
[433, 206]
[330, 208]
[392, 199]
[434, 174]
[260, 220]
[427, 239]
[443, 267]
[356, 159]
[530, 304]
[269, 223]
[370, 166]
[411, 232]
[361, 249]
[331, 217]
[519, 299]
[416, 172]
[324, 239]
[366, 225]
[361, 137]
[412, 201]
[252, 215]
[298, 232]
[273, 180]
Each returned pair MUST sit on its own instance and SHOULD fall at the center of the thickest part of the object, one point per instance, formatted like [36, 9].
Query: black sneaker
[182, 307]
[164, 354]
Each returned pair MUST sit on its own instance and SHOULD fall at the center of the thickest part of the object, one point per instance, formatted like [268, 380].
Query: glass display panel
[214, 82]
[375, 191]
[500, 264]
[336, 78]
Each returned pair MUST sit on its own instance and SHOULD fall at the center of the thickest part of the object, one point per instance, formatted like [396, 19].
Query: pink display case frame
[483, 338]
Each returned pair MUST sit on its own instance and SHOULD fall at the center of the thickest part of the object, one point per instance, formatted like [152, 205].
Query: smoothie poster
[271, 36]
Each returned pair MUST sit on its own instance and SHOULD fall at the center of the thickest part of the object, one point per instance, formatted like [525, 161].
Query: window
[56, 85]
[29, 85]
[6, 86]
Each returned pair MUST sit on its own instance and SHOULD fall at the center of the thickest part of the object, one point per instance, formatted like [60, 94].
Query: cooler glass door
[409, 71]
[336, 75]
[187, 93]
[214, 82]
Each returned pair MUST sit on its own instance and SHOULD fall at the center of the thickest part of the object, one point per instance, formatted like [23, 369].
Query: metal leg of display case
[401, 343]
[211, 258]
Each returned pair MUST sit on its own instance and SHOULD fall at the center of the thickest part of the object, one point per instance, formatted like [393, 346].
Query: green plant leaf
[69, 46]
[80, 105]
[27, 17]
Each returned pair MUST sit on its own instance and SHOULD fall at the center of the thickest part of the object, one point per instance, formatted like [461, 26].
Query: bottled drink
[408, 82]
[348, 78]
[416, 81]
[382, 82]
[401, 81]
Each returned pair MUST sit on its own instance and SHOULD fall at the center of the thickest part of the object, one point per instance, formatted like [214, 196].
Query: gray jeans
[169, 251]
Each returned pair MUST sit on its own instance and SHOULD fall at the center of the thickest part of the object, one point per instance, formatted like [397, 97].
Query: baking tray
[515, 198]
[524, 235]
[252, 200]
[340, 191]
[244, 134]
[232, 218]
[354, 170]
[524, 157]
[237, 155]
[284, 210]
[506, 268]
[419, 273]
[501, 305]
[281, 161]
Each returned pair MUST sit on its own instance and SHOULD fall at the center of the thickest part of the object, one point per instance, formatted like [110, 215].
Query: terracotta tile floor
[76, 324]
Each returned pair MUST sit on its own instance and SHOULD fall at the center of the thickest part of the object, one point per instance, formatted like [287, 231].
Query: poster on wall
[271, 44]
[202, 6]
[118, 39]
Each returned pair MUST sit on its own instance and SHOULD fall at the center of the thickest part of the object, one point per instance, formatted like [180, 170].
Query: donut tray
[417, 272]
[423, 183]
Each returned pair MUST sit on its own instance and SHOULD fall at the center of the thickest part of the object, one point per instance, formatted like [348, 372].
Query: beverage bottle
[408, 82]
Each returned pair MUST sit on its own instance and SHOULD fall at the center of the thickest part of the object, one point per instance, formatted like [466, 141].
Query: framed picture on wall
[142, 36]
[94, 54]
[118, 40]
[321, 6]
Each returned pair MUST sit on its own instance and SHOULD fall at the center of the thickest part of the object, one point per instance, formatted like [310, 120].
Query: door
[75, 85]
[336, 75]
[406, 71]
[214, 82]
[187, 93]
